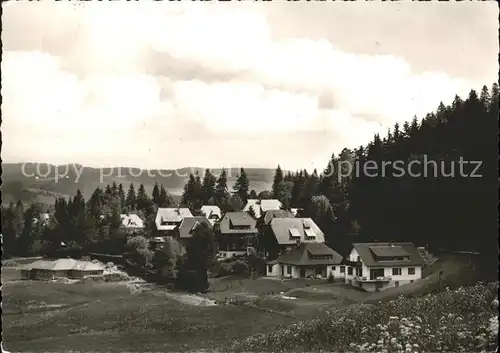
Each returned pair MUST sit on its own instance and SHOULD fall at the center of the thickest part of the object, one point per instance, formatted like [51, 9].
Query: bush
[235, 267]
[239, 267]
[221, 269]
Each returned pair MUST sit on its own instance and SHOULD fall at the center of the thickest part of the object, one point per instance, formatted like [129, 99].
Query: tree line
[92, 225]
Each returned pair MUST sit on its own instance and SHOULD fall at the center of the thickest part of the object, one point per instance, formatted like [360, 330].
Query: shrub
[239, 267]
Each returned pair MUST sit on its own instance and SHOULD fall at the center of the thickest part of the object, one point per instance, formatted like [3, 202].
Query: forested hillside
[440, 205]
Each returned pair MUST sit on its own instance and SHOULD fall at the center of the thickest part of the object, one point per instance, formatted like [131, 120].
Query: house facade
[236, 234]
[167, 220]
[377, 266]
[212, 213]
[261, 206]
[307, 260]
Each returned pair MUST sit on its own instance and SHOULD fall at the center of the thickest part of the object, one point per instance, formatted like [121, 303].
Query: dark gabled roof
[368, 252]
[238, 219]
[389, 251]
[301, 255]
[271, 214]
[188, 223]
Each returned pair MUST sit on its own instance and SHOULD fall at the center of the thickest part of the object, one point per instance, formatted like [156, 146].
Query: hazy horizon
[287, 85]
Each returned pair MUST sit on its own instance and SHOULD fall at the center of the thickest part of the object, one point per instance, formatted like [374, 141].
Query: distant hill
[51, 181]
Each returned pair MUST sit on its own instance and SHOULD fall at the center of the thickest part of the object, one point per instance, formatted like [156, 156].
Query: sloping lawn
[106, 317]
[451, 321]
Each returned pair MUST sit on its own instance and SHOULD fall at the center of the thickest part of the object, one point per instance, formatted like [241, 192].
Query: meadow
[252, 315]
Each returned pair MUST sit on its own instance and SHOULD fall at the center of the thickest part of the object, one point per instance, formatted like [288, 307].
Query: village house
[187, 228]
[268, 216]
[264, 226]
[309, 259]
[132, 223]
[62, 268]
[378, 266]
[283, 234]
[236, 234]
[261, 206]
[167, 220]
[212, 213]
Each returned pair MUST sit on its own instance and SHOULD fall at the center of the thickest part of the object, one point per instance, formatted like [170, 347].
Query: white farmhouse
[378, 266]
[308, 259]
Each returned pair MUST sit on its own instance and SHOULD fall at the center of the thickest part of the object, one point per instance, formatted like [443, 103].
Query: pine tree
[114, 189]
[242, 185]
[278, 179]
[142, 198]
[131, 200]
[108, 191]
[197, 193]
[188, 195]
[221, 191]
[165, 199]
[208, 186]
[156, 194]
[252, 195]
[121, 195]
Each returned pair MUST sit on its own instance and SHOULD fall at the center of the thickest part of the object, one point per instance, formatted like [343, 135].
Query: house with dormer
[283, 234]
[167, 220]
[236, 234]
[308, 259]
[378, 266]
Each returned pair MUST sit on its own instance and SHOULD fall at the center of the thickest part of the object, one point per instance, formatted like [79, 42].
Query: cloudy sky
[167, 85]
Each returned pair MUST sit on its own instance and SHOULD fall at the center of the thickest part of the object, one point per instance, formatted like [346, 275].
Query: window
[396, 271]
[342, 269]
[359, 272]
[411, 270]
[349, 271]
[358, 259]
[333, 268]
[289, 270]
[269, 268]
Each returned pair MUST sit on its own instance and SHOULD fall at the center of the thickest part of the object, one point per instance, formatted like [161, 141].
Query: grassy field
[43, 316]
[52, 316]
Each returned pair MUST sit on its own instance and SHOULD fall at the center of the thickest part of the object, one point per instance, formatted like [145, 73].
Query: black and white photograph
[249, 176]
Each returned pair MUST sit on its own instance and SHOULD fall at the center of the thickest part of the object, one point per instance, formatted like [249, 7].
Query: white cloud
[91, 96]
